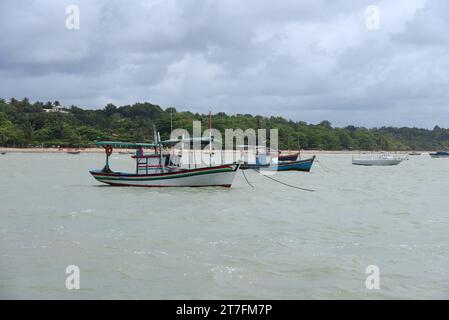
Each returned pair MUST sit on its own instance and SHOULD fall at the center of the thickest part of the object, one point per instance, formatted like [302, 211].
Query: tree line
[26, 124]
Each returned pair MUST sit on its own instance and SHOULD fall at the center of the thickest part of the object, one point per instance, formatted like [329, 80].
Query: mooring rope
[243, 171]
[327, 169]
[285, 184]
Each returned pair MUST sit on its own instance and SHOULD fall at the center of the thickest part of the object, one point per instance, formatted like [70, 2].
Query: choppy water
[272, 242]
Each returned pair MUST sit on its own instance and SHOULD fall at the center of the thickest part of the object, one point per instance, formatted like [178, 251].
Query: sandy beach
[101, 150]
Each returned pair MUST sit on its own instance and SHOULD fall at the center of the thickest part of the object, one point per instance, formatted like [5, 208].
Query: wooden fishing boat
[269, 159]
[216, 176]
[288, 157]
[439, 154]
[299, 165]
[158, 170]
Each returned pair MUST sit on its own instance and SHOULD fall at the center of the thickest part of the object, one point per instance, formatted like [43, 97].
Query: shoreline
[101, 150]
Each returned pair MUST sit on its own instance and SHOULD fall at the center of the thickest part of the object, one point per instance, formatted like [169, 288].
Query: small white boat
[382, 160]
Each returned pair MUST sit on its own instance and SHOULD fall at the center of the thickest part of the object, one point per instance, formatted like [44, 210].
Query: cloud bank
[306, 60]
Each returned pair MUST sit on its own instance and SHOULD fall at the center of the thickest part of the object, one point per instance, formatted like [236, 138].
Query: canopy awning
[190, 140]
[120, 144]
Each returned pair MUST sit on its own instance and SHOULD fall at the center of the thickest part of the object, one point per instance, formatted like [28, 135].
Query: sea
[364, 233]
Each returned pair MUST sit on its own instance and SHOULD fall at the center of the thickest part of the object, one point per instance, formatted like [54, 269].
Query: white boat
[159, 170]
[216, 176]
[381, 160]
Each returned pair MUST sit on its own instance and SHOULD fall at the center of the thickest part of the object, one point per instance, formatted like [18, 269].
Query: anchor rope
[325, 167]
[243, 171]
[285, 184]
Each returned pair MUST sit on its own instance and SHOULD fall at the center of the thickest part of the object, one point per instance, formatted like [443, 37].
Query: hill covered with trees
[26, 124]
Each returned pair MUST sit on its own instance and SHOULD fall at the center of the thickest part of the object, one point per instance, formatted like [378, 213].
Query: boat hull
[301, 165]
[376, 162]
[219, 176]
[439, 155]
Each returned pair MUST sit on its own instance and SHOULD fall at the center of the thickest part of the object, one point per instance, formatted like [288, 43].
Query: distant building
[58, 109]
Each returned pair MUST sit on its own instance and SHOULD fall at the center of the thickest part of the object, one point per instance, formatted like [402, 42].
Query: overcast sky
[303, 59]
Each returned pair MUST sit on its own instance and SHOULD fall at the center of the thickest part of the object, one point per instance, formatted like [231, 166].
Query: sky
[310, 60]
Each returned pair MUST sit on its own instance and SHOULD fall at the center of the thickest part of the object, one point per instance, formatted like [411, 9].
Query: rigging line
[322, 166]
[285, 184]
[326, 168]
[243, 171]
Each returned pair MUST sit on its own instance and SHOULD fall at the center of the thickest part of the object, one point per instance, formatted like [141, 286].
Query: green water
[271, 242]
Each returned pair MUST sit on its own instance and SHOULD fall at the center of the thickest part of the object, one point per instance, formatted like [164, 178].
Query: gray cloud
[306, 60]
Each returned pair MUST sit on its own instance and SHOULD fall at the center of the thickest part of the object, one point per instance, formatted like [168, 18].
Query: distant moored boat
[382, 160]
[299, 165]
[269, 159]
[289, 157]
[439, 154]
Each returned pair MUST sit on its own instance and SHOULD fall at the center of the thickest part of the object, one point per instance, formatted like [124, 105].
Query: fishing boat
[289, 157]
[382, 160]
[298, 165]
[414, 153]
[268, 159]
[73, 151]
[159, 170]
[439, 154]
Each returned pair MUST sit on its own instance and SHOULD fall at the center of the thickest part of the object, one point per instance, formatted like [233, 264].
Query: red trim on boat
[166, 186]
[115, 174]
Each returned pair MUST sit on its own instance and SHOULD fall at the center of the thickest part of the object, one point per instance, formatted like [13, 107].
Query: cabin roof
[121, 144]
[187, 140]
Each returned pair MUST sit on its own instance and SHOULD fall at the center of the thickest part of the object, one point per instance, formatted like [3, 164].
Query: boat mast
[171, 120]
[171, 131]
[160, 152]
[210, 139]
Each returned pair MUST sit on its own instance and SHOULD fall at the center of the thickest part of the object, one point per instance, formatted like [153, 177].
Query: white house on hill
[58, 109]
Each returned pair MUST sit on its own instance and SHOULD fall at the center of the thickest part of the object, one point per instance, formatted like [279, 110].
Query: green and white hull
[217, 176]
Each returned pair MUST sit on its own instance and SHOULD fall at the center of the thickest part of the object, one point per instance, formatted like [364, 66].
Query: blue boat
[439, 154]
[299, 165]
